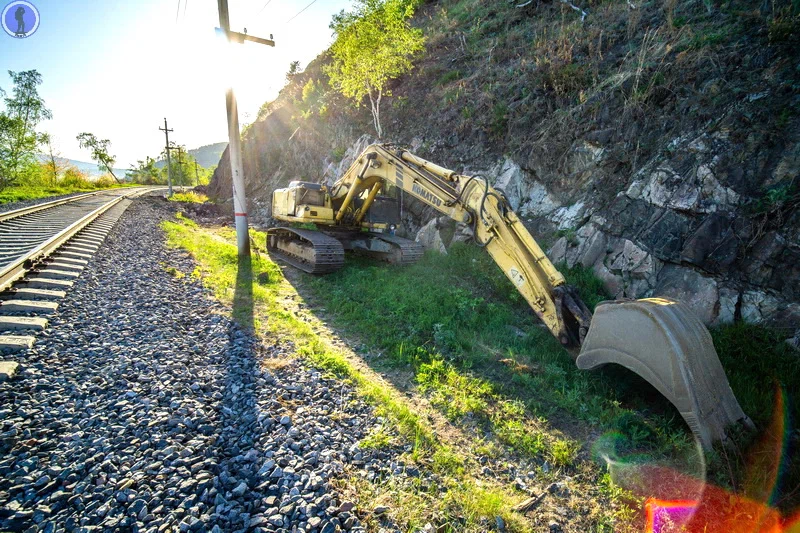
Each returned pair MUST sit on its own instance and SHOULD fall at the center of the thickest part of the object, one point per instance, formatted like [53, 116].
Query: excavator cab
[303, 202]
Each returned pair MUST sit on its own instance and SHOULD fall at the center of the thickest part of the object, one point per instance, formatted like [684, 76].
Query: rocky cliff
[658, 144]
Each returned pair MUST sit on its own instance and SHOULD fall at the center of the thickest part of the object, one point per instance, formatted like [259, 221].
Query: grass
[189, 197]
[476, 351]
[468, 500]
[473, 349]
[19, 193]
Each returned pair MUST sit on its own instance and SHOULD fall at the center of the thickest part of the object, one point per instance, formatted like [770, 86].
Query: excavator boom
[669, 347]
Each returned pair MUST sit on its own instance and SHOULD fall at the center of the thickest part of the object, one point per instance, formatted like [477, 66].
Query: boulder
[627, 270]
[636, 267]
[697, 191]
[527, 196]
[430, 238]
[570, 216]
[510, 178]
[758, 306]
[728, 300]
[586, 247]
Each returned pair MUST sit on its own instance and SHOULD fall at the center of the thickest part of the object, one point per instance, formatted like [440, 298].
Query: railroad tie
[22, 323]
[31, 294]
[39, 307]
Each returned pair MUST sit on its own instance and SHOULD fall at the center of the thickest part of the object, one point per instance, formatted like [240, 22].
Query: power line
[263, 8]
[298, 13]
[185, 3]
[178, 12]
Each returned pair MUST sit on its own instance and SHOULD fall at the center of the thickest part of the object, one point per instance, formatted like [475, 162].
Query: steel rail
[22, 265]
[8, 215]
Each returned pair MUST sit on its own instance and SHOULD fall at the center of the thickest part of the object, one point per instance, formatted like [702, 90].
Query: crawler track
[310, 251]
[408, 252]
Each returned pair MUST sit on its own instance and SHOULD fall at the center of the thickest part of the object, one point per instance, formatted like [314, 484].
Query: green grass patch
[189, 197]
[449, 77]
[21, 193]
[478, 352]
[456, 328]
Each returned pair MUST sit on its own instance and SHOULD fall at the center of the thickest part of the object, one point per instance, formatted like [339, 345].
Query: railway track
[43, 249]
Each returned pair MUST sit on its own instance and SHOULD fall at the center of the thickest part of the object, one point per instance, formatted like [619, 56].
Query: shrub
[75, 179]
[105, 182]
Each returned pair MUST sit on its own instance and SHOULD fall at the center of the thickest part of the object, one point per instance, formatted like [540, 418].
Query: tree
[53, 165]
[145, 172]
[374, 44]
[18, 137]
[99, 148]
[294, 69]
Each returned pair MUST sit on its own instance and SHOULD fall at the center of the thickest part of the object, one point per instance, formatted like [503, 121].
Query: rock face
[694, 195]
[679, 229]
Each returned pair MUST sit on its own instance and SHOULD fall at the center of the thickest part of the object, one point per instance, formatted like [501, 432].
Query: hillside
[209, 154]
[655, 143]
[206, 156]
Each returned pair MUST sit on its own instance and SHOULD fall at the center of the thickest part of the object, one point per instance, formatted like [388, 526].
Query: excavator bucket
[667, 345]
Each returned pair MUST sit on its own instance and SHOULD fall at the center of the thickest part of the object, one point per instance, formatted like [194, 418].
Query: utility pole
[166, 131]
[234, 138]
[196, 175]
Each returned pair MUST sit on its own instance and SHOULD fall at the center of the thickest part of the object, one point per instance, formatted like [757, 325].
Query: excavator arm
[657, 338]
[471, 200]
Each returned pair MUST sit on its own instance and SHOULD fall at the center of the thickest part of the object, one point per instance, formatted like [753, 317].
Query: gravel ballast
[143, 407]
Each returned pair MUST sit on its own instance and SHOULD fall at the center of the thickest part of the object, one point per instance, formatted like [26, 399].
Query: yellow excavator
[657, 338]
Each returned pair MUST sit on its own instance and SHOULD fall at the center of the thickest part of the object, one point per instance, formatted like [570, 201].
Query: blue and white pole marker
[20, 19]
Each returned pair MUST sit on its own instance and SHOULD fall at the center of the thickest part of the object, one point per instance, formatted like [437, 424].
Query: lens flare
[676, 501]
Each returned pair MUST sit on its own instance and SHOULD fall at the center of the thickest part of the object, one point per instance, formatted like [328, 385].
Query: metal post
[235, 152]
[166, 131]
[234, 138]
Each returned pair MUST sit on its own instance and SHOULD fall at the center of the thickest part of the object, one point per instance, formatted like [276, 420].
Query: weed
[337, 154]
[186, 220]
[449, 77]
[499, 124]
[377, 439]
[590, 287]
[189, 197]
[452, 95]
[564, 452]
[784, 28]
[174, 272]
[399, 102]
[571, 235]
[566, 79]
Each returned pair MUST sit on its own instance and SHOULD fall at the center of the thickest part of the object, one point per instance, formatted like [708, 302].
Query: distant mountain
[83, 166]
[208, 155]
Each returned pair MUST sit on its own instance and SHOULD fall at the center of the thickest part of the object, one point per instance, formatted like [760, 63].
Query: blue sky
[117, 68]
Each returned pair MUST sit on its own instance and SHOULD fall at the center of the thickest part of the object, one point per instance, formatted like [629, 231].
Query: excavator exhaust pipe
[666, 344]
